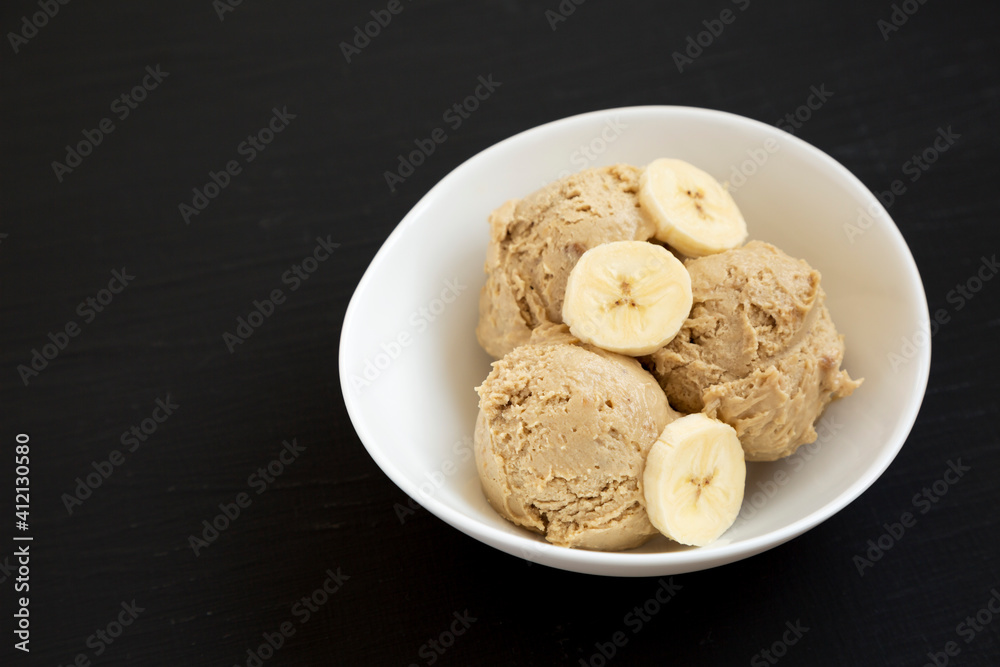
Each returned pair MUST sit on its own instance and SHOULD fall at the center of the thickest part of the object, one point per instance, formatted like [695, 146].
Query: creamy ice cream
[535, 242]
[759, 350]
[561, 441]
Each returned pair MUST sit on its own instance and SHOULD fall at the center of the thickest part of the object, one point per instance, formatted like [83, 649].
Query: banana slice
[629, 297]
[694, 479]
[692, 211]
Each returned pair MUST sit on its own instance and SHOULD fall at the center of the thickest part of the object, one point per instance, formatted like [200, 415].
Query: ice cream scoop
[759, 351]
[561, 440]
[536, 241]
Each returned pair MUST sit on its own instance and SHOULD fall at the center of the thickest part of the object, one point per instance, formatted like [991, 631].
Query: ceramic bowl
[409, 359]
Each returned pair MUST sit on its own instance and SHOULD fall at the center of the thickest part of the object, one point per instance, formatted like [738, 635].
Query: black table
[164, 165]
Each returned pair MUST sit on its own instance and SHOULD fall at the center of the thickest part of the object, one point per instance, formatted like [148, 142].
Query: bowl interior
[409, 359]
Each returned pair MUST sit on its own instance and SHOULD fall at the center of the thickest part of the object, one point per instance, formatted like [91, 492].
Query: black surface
[322, 176]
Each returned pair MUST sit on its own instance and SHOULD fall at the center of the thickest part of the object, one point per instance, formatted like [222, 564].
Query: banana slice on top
[692, 211]
[629, 297]
[694, 479]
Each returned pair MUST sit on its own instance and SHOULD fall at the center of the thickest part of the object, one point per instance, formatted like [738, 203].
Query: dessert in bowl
[410, 360]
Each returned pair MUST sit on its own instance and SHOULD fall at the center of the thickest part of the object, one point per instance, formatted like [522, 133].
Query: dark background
[322, 176]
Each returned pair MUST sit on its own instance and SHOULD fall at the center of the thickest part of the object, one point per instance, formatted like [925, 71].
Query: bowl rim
[645, 564]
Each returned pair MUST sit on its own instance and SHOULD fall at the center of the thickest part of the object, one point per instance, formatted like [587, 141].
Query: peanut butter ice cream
[759, 351]
[561, 441]
[536, 241]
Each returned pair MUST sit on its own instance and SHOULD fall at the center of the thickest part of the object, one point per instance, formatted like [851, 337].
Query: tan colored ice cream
[535, 242]
[759, 350]
[562, 437]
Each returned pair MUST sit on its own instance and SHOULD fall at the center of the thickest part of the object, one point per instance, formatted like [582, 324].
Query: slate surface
[218, 73]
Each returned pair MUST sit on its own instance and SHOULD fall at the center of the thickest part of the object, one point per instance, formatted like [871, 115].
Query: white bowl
[409, 359]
